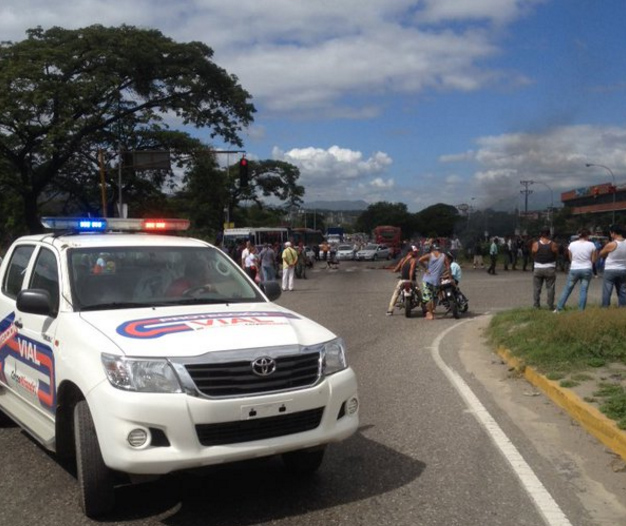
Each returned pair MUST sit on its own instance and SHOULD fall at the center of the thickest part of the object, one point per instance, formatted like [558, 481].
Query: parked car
[373, 252]
[345, 252]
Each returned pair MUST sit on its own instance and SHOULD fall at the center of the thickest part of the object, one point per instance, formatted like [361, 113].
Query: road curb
[590, 418]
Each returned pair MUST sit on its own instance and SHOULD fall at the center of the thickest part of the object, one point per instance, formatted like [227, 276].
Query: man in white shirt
[582, 254]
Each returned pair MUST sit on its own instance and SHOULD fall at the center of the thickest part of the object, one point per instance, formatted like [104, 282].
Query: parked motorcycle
[448, 297]
[410, 297]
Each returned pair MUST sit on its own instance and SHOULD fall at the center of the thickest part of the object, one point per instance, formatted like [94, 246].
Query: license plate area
[254, 411]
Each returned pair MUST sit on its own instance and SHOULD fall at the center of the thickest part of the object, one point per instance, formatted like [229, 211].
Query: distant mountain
[337, 205]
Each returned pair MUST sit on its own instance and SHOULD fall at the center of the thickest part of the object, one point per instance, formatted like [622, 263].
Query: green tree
[67, 93]
[385, 213]
[437, 220]
[267, 178]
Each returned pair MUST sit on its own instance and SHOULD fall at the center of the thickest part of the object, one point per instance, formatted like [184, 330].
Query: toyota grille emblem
[263, 366]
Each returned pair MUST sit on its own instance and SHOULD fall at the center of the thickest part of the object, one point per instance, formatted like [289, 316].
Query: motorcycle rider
[456, 273]
[407, 267]
[435, 264]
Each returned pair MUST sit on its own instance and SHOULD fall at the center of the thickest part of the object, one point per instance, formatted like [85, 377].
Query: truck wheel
[95, 480]
[305, 461]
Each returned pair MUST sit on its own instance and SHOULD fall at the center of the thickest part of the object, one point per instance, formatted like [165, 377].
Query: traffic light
[243, 172]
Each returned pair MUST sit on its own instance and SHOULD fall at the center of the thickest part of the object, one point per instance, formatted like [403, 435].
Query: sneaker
[556, 311]
[389, 313]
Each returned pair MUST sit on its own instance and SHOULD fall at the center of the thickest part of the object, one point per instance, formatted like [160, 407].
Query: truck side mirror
[35, 301]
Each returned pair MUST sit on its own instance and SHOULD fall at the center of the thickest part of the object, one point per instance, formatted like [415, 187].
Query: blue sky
[420, 102]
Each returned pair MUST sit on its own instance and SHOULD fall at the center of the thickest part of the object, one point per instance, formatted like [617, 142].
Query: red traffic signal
[243, 172]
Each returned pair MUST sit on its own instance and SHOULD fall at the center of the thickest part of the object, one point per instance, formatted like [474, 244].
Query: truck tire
[95, 479]
[304, 461]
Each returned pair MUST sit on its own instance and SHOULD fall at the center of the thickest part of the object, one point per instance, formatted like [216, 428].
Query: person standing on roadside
[493, 256]
[435, 264]
[268, 261]
[244, 254]
[582, 254]
[544, 252]
[614, 274]
[455, 246]
[478, 254]
[290, 258]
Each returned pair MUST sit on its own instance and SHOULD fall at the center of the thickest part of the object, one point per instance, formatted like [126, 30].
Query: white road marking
[546, 505]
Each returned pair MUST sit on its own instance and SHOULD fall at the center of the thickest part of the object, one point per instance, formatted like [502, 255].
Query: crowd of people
[581, 259]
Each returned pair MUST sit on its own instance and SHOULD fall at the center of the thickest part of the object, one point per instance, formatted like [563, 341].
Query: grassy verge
[568, 346]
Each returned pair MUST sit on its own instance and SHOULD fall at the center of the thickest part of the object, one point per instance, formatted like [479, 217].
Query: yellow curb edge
[590, 418]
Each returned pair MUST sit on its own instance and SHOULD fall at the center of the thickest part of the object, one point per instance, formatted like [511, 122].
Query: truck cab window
[46, 276]
[14, 276]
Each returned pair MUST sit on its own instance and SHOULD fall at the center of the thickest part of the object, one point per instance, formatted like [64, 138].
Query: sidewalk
[572, 401]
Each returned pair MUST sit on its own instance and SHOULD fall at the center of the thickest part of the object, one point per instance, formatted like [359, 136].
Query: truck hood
[196, 330]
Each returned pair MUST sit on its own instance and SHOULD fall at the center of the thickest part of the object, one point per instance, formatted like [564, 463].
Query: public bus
[390, 236]
[308, 236]
[258, 236]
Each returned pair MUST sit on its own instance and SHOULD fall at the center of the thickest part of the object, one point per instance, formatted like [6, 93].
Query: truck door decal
[157, 327]
[27, 365]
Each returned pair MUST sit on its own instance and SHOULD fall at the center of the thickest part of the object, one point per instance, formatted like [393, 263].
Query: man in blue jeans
[614, 274]
[582, 254]
[544, 252]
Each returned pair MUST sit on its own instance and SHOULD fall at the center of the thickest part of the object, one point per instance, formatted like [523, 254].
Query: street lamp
[588, 165]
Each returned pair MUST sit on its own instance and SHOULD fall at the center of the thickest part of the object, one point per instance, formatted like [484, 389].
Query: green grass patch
[571, 341]
[564, 346]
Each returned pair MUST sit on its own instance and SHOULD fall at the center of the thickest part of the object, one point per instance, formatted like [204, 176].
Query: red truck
[390, 236]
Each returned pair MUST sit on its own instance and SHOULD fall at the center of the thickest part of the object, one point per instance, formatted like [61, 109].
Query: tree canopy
[68, 93]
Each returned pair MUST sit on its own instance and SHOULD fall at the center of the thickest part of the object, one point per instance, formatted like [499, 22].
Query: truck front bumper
[185, 432]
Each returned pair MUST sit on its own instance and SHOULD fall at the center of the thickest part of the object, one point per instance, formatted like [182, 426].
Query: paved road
[446, 437]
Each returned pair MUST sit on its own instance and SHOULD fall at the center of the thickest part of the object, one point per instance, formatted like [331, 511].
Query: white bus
[259, 236]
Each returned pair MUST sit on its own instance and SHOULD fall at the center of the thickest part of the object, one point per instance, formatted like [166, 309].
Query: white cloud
[338, 173]
[380, 183]
[556, 159]
[298, 55]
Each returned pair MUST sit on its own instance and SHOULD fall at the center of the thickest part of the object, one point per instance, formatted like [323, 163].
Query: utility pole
[526, 191]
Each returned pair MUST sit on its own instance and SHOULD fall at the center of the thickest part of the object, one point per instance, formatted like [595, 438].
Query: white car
[345, 252]
[167, 357]
[374, 252]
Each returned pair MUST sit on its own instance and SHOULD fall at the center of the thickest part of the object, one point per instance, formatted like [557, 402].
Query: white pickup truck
[138, 354]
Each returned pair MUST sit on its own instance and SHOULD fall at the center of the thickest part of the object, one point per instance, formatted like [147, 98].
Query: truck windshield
[142, 276]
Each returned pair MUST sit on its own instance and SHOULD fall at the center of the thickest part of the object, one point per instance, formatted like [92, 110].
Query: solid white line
[548, 508]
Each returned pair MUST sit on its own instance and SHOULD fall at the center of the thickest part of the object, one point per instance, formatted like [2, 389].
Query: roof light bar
[87, 224]
[84, 224]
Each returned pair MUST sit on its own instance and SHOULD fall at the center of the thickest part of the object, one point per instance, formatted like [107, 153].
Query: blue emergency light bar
[100, 224]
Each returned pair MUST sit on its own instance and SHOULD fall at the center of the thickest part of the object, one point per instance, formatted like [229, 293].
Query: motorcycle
[448, 297]
[410, 297]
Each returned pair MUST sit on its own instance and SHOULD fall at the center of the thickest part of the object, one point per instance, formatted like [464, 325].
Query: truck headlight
[333, 357]
[146, 376]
